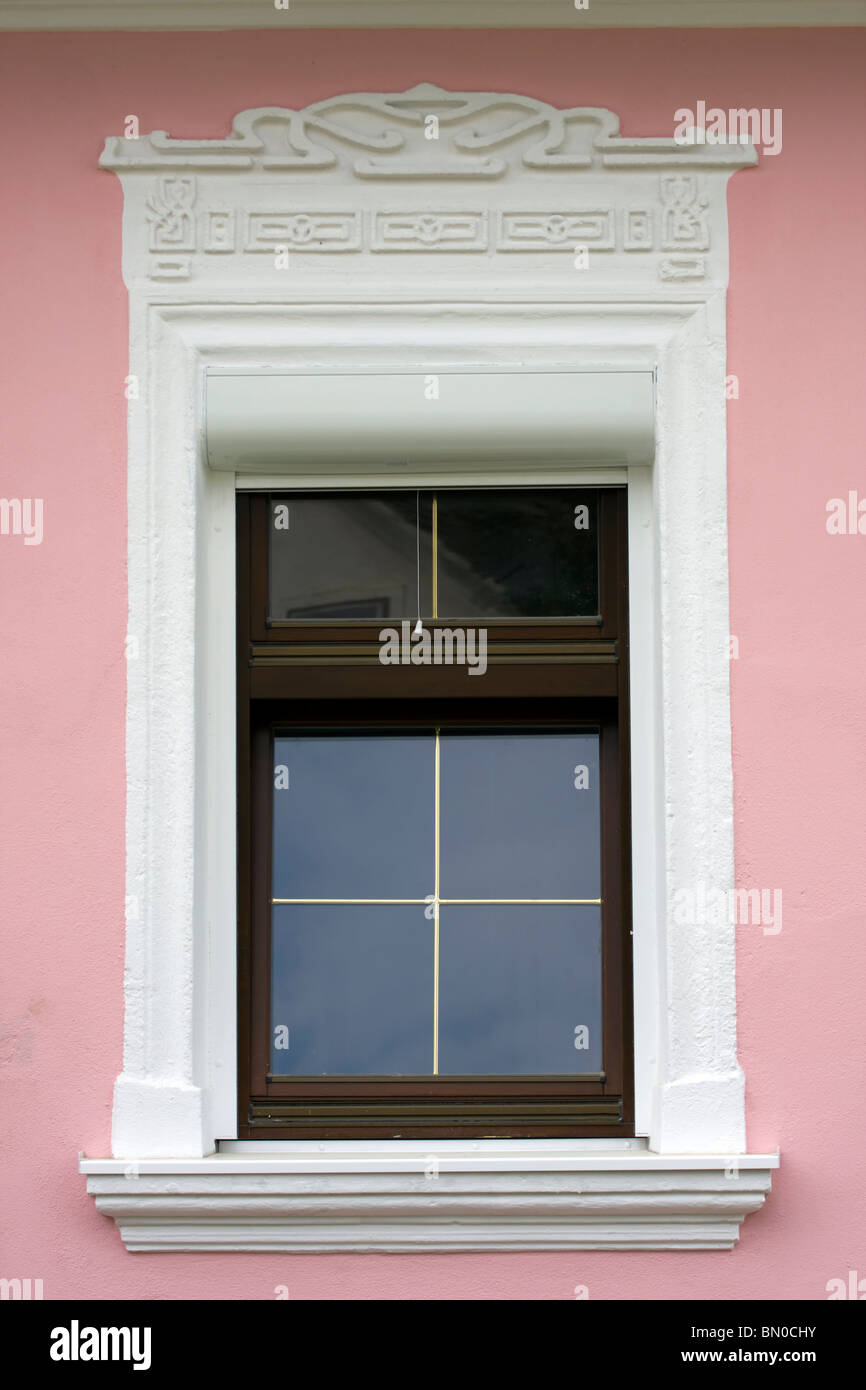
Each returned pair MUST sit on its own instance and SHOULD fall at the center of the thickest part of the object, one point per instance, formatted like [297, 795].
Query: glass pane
[351, 990]
[517, 554]
[353, 816]
[519, 990]
[347, 555]
[520, 815]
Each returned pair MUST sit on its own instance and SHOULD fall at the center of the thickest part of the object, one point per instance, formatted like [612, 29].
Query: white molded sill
[424, 1196]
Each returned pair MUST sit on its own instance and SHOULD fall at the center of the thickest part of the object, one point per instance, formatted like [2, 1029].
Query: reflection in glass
[508, 553]
[351, 990]
[513, 822]
[374, 988]
[515, 983]
[356, 818]
[497, 553]
[349, 555]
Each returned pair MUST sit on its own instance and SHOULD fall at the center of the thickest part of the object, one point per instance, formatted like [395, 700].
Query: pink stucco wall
[797, 338]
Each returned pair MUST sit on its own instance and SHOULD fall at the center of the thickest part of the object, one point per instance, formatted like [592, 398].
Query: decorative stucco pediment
[425, 171]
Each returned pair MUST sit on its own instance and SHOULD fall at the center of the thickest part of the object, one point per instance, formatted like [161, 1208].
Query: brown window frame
[316, 675]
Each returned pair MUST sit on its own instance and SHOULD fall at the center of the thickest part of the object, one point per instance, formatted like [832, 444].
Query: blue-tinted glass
[508, 553]
[519, 990]
[350, 555]
[351, 990]
[520, 816]
[356, 819]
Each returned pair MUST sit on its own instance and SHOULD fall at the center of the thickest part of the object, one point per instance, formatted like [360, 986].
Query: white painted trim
[200, 301]
[467, 477]
[180, 341]
[647, 792]
[241, 1156]
[425, 14]
[447, 1196]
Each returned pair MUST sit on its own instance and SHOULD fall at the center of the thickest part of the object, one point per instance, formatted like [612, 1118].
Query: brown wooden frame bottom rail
[442, 1119]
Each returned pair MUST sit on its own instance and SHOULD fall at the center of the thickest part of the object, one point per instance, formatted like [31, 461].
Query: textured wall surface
[796, 343]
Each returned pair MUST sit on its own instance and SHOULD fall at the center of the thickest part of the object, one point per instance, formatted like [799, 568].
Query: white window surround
[412, 254]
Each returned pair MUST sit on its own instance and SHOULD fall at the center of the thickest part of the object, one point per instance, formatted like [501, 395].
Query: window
[197, 313]
[434, 888]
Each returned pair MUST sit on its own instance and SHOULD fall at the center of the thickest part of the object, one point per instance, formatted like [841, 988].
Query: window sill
[414, 1196]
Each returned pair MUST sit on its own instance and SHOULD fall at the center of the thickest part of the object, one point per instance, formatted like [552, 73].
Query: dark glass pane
[349, 555]
[517, 554]
[356, 819]
[519, 990]
[351, 990]
[513, 822]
